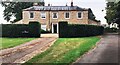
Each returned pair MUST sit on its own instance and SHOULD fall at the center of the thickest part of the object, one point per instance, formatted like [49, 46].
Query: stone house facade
[49, 16]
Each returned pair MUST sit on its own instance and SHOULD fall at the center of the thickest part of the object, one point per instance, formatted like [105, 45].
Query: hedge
[21, 30]
[110, 30]
[78, 30]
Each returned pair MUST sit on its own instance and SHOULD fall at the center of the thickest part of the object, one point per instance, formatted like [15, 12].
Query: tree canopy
[113, 13]
[117, 15]
[15, 9]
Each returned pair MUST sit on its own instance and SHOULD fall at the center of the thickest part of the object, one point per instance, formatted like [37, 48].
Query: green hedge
[21, 30]
[78, 30]
[44, 32]
[110, 30]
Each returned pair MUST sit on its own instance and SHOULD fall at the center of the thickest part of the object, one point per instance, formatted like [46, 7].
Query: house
[49, 16]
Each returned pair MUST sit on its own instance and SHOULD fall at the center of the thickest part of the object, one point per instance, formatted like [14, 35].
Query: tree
[15, 9]
[117, 15]
[110, 12]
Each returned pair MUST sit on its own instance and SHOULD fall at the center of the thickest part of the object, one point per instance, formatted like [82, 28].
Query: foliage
[34, 29]
[111, 30]
[64, 50]
[15, 9]
[113, 13]
[12, 42]
[43, 31]
[21, 30]
[117, 17]
[78, 30]
[111, 10]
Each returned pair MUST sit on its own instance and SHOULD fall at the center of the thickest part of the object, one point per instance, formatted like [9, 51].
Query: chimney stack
[48, 4]
[71, 3]
[66, 4]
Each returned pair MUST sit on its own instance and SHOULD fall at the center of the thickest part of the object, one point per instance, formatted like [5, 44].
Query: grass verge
[65, 50]
[11, 42]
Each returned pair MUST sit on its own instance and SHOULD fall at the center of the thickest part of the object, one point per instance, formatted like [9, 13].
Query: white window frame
[65, 15]
[30, 15]
[81, 15]
[43, 13]
[53, 15]
[43, 26]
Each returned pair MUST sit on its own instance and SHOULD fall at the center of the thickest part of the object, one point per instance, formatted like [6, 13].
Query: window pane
[79, 15]
[55, 15]
[67, 15]
[31, 15]
[43, 15]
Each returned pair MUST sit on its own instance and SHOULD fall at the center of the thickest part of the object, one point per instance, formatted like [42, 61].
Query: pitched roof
[55, 8]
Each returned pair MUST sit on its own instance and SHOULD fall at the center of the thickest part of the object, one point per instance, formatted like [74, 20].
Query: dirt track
[24, 52]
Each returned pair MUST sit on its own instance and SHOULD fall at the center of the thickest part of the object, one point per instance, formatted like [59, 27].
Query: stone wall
[61, 17]
[92, 22]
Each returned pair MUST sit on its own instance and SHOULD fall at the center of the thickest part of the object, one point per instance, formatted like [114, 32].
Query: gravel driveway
[24, 52]
[105, 52]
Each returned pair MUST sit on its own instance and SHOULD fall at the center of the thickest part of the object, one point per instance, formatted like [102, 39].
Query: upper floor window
[31, 15]
[67, 15]
[55, 15]
[43, 15]
[79, 15]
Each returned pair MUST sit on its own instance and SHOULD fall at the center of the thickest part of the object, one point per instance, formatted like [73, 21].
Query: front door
[54, 27]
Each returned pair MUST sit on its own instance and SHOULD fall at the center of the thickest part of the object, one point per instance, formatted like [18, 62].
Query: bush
[43, 31]
[78, 30]
[21, 30]
[111, 30]
[34, 29]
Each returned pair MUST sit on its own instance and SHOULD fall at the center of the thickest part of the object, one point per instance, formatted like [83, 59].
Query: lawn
[11, 42]
[65, 50]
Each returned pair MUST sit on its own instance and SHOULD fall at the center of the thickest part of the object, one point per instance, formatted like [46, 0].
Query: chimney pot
[71, 3]
[48, 4]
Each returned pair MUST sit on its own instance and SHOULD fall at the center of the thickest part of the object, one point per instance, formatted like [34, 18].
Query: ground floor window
[43, 27]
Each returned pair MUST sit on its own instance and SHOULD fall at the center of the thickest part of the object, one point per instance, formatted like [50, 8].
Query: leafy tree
[117, 15]
[110, 14]
[113, 13]
[15, 9]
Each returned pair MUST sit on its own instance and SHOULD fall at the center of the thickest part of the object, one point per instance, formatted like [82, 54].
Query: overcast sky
[96, 5]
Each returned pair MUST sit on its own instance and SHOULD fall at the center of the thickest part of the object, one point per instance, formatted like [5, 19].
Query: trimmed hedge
[78, 30]
[34, 29]
[21, 30]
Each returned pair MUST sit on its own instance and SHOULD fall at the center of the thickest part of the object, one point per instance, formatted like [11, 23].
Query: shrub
[63, 30]
[108, 29]
[43, 31]
[34, 28]
[20, 30]
[78, 30]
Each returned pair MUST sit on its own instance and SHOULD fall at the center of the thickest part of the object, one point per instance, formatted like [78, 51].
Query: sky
[96, 5]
